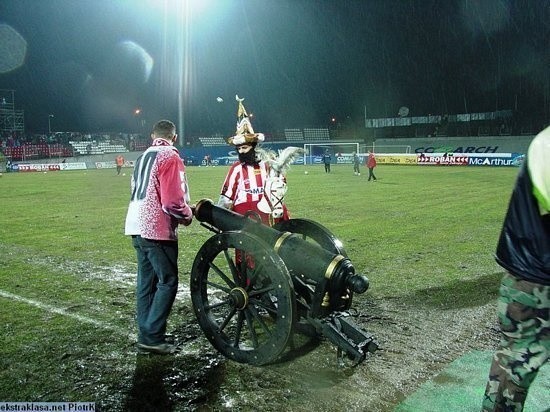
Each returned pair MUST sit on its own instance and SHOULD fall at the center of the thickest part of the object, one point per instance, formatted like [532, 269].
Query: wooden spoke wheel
[243, 297]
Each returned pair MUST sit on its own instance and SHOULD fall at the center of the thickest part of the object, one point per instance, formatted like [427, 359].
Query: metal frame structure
[309, 146]
[11, 120]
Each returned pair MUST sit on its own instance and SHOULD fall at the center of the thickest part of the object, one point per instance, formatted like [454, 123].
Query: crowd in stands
[21, 147]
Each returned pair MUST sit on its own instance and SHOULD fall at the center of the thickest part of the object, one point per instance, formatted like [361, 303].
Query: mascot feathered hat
[245, 132]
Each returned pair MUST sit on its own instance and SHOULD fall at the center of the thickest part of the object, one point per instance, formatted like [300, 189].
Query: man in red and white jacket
[158, 204]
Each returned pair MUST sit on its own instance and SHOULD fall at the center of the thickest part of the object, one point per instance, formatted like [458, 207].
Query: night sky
[298, 63]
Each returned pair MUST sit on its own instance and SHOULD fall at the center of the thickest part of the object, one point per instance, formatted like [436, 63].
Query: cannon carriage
[253, 285]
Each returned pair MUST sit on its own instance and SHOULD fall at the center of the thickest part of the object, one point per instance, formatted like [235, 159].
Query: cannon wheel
[247, 311]
[313, 231]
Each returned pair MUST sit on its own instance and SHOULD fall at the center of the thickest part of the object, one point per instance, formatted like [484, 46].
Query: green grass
[425, 235]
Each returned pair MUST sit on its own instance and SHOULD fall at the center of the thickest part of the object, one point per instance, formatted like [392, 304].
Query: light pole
[50, 124]
[137, 113]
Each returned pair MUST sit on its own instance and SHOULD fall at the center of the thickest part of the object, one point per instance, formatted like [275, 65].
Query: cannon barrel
[333, 274]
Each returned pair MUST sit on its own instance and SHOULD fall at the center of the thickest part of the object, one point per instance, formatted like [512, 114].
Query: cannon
[253, 285]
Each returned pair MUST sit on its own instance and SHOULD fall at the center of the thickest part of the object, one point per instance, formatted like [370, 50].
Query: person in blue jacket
[326, 161]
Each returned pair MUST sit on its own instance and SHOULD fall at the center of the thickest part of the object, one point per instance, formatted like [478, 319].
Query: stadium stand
[94, 147]
[30, 147]
[316, 134]
[294, 135]
[212, 141]
[483, 124]
[36, 151]
[463, 129]
[139, 145]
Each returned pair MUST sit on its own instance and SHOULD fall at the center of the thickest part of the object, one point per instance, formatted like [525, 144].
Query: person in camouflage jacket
[524, 303]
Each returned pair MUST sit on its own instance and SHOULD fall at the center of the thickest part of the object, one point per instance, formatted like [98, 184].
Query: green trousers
[523, 311]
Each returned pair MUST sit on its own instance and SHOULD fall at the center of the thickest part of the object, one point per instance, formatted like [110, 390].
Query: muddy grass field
[425, 238]
[415, 344]
[65, 356]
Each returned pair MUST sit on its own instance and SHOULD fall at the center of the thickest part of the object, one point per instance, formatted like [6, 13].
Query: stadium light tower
[139, 121]
[50, 123]
[186, 18]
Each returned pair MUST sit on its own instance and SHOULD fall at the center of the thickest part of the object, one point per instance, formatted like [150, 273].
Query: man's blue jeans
[157, 285]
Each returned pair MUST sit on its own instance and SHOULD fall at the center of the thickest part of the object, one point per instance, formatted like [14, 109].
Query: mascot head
[275, 185]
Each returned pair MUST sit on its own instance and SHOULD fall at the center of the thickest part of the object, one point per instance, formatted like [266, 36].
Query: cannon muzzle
[357, 283]
[346, 278]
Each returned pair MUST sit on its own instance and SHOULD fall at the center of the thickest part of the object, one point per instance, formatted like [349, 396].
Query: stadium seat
[294, 135]
[212, 141]
[316, 134]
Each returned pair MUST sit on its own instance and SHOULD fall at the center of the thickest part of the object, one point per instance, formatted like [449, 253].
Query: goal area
[314, 151]
[380, 149]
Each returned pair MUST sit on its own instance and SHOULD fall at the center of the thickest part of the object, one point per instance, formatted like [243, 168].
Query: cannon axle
[239, 298]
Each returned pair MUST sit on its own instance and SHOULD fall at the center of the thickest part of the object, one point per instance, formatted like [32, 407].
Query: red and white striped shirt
[244, 183]
[243, 188]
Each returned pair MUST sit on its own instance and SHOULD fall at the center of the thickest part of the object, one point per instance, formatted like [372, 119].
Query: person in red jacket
[158, 204]
[371, 164]
[119, 160]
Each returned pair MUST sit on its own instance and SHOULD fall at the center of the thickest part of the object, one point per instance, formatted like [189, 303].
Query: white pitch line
[63, 312]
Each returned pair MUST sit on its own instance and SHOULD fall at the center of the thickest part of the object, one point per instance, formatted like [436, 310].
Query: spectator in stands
[524, 305]
[371, 164]
[159, 202]
[119, 160]
[356, 164]
[326, 161]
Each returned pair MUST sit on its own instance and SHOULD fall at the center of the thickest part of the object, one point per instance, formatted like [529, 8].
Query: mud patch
[416, 344]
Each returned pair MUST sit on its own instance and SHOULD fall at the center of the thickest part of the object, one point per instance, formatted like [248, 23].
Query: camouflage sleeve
[538, 165]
